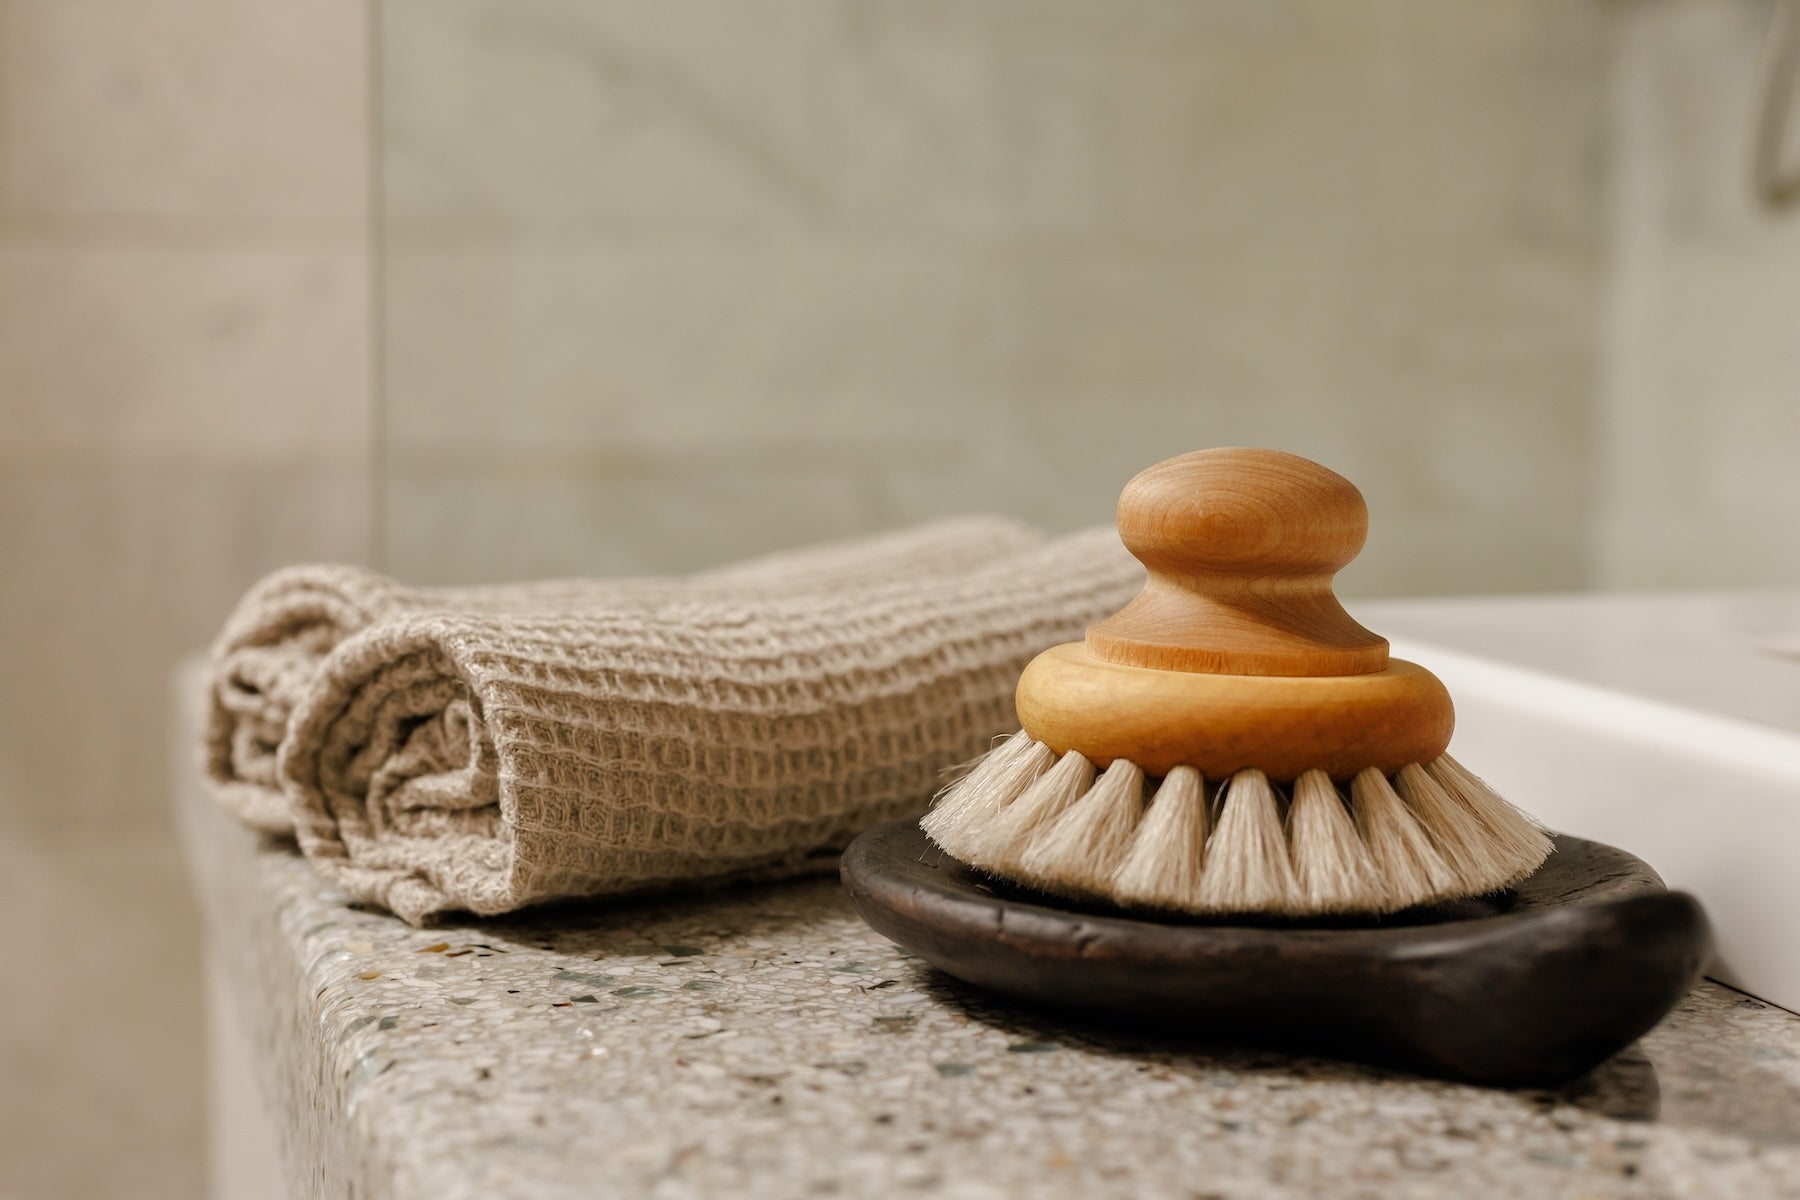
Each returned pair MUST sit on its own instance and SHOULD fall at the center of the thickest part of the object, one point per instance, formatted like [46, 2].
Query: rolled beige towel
[269, 651]
[488, 761]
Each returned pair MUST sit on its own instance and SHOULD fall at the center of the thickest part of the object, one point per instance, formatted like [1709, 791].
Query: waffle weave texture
[273, 645]
[487, 751]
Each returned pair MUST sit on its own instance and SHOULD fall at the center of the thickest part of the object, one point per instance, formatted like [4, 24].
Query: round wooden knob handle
[1241, 547]
[1244, 514]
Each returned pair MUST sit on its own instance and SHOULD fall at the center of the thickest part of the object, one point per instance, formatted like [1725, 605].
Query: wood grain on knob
[1218, 724]
[1241, 547]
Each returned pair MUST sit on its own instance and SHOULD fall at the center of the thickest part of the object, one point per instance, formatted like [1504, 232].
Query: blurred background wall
[642, 286]
[668, 283]
[186, 401]
[1698, 413]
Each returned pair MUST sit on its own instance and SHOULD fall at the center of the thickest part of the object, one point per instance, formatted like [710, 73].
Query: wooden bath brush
[1232, 741]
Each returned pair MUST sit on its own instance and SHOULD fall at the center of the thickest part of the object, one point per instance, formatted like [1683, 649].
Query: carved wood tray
[1528, 987]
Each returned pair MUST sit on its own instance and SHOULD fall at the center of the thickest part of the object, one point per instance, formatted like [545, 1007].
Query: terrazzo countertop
[766, 1043]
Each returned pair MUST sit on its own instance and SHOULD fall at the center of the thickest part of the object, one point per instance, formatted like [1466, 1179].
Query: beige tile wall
[185, 402]
[1700, 407]
[668, 283]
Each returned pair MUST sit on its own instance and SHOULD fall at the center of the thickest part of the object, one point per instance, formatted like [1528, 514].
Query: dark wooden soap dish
[1530, 987]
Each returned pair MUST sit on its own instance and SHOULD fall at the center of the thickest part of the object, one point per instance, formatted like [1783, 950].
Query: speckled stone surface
[766, 1043]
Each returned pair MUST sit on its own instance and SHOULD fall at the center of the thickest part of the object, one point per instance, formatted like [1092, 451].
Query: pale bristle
[1515, 836]
[973, 801]
[999, 846]
[1433, 833]
[1459, 837]
[1079, 851]
[1163, 866]
[1247, 866]
[1410, 868]
[1332, 866]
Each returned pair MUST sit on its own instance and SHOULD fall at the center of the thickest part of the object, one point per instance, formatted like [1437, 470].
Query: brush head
[1224, 706]
[1242, 844]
